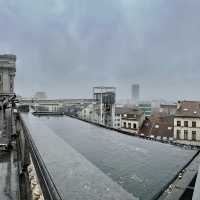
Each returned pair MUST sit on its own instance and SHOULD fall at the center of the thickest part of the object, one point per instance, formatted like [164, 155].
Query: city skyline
[99, 101]
[67, 47]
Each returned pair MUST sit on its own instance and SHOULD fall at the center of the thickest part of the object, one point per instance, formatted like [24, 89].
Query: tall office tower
[135, 93]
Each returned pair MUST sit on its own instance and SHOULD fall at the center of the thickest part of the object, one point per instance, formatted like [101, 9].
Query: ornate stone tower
[7, 74]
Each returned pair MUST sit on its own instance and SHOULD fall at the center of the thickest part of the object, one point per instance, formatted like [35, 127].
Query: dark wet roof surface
[94, 157]
[75, 177]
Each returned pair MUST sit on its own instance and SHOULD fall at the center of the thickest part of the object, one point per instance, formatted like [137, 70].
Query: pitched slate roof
[188, 109]
[127, 110]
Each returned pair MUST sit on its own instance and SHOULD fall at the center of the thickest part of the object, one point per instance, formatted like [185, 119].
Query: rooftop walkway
[8, 161]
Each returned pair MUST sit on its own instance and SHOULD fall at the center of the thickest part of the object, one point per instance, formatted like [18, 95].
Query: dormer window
[156, 126]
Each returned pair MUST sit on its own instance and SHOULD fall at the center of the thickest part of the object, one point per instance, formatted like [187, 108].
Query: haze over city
[66, 47]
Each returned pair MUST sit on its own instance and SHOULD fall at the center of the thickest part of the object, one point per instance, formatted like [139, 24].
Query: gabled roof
[158, 124]
[188, 109]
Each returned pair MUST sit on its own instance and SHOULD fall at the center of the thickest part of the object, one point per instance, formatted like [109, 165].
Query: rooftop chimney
[178, 105]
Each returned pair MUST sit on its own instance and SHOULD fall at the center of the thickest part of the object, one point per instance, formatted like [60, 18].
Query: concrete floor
[8, 177]
[8, 163]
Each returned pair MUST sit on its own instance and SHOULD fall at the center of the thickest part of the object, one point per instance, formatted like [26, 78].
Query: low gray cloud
[65, 47]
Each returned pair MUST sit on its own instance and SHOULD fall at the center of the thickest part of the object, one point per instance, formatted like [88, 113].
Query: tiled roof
[158, 124]
[127, 110]
[188, 109]
[172, 106]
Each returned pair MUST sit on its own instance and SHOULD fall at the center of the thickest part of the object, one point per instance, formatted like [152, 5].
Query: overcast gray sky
[65, 47]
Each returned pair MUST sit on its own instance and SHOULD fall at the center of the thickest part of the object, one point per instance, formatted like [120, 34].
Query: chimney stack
[178, 105]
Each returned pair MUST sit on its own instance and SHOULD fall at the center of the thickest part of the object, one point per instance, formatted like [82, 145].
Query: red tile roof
[158, 124]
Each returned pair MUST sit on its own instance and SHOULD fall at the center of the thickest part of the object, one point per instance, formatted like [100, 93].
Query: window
[178, 134]
[186, 123]
[118, 124]
[11, 83]
[193, 135]
[124, 124]
[134, 126]
[194, 124]
[185, 134]
[178, 123]
[129, 125]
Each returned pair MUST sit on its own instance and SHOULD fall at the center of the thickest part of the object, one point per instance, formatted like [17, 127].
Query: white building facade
[132, 122]
[187, 123]
[187, 130]
[129, 119]
[87, 113]
[118, 121]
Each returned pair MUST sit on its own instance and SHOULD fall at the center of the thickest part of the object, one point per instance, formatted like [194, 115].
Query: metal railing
[49, 189]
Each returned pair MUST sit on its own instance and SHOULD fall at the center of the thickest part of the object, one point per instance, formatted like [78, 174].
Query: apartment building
[129, 119]
[187, 123]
